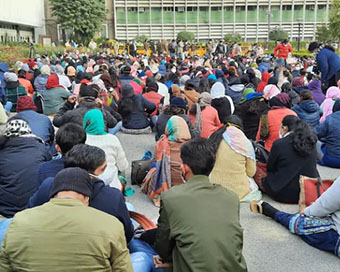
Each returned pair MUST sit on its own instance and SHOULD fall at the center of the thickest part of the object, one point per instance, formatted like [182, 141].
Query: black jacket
[250, 113]
[223, 107]
[67, 114]
[284, 168]
[20, 158]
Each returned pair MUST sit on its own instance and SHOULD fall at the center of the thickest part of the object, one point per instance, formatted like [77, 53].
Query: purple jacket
[315, 88]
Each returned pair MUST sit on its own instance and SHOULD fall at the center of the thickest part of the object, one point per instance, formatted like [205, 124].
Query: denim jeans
[324, 159]
[117, 128]
[8, 107]
[4, 224]
[326, 241]
[142, 256]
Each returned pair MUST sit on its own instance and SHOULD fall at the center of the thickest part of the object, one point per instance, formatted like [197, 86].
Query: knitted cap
[127, 91]
[72, 179]
[10, 77]
[178, 102]
[25, 103]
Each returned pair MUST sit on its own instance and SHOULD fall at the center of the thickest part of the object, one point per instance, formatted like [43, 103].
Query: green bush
[186, 36]
[233, 38]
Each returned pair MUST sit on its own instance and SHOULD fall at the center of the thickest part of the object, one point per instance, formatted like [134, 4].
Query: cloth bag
[311, 189]
[140, 168]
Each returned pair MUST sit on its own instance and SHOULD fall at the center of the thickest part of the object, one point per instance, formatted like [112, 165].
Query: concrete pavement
[268, 246]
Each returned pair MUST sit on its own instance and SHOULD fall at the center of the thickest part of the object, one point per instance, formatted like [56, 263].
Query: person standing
[188, 212]
[283, 49]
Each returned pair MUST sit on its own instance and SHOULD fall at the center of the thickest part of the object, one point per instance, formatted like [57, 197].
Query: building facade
[212, 19]
[21, 20]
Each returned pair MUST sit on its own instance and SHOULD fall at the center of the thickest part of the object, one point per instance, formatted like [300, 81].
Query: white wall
[24, 12]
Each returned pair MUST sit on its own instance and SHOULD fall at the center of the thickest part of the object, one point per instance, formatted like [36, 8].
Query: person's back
[190, 211]
[309, 111]
[210, 121]
[65, 235]
[275, 117]
[54, 99]
[19, 161]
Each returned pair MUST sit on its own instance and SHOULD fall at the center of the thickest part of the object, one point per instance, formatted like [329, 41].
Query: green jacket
[199, 228]
[14, 94]
[54, 99]
[64, 235]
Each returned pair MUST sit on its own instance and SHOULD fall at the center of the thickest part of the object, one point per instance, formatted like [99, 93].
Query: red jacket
[281, 50]
[154, 98]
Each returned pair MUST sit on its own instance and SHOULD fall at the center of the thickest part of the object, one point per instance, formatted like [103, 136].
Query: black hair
[70, 135]
[286, 87]
[306, 95]
[203, 86]
[290, 122]
[199, 156]
[85, 156]
[21, 74]
[170, 110]
[285, 73]
[304, 139]
[235, 120]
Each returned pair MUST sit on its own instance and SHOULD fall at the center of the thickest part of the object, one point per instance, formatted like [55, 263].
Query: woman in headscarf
[332, 94]
[54, 96]
[221, 102]
[21, 153]
[315, 87]
[94, 126]
[204, 117]
[329, 132]
[13, 89]
[235, 151]
[270, 122]
[168, 161]
[264, 81]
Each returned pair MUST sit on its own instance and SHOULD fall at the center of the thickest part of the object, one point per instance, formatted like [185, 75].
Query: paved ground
[268, 247]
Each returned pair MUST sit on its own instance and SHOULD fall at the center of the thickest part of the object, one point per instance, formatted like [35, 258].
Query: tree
[186, 36]
[323, 34]
[84, 17]
[334, 20]
[142, 38]
[233, 38]
[278, 34]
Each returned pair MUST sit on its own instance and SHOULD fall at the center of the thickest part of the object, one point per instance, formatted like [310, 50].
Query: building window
[240, 14]
[286, 13]
[192, 15]
[216, 14]
[191, 8]
[298, 12]
[321, 13]
[228, 14]
[252, 14]
[309, 14]
[204, 15]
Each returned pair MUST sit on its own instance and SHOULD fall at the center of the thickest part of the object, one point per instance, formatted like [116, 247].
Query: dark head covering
[89, 91]
[273, 81]
[127, 91]
[336, 106]
[312, 46]
[25, 103]
[72, 179]
[153, 86]
[281, 100]
[178, 102]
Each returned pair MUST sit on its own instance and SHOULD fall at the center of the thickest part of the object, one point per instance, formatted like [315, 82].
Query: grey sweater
[327, 204]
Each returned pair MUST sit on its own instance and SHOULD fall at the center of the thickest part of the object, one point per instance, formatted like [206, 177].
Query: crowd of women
[289, 109]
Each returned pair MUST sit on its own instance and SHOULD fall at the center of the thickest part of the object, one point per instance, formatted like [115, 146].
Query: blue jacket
[264, 67]
[328, 63]
[50, 169]
[20, 158]
[3, 70]
[308, 111]
[235, 92]
[137, 119]
[104, 198]
[330, 131]
[40, 124]
[40, 83]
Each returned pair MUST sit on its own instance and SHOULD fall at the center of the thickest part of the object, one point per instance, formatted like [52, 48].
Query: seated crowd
[227, 130]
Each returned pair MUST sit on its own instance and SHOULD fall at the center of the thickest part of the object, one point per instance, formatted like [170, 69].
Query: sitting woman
[307, 109]
[332, 94]
[291, 156]
[329, 133]
[235, 151]
[204, 117]
[270, 122]
[221, 102]
[318, 225]
[168, 161]
[178, 107]
[134, 110]
[55, 95]
[94, 126]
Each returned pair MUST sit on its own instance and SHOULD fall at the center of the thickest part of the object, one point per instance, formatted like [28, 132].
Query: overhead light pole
[269, 15]
[299, 33]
